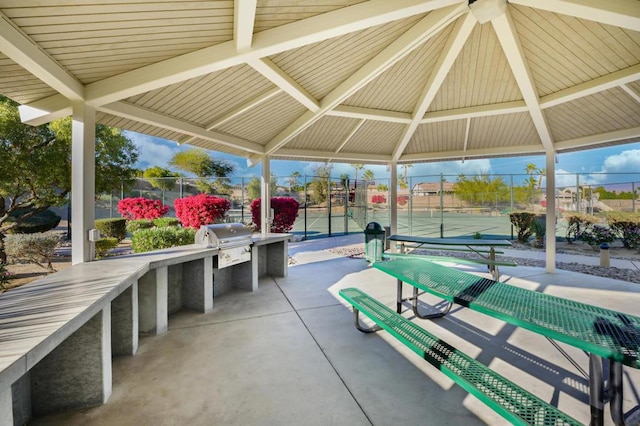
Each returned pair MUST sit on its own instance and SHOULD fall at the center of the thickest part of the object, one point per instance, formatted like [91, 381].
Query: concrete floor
[288, 354]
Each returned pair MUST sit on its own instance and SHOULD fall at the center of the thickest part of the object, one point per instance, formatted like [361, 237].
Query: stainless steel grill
[233, 240]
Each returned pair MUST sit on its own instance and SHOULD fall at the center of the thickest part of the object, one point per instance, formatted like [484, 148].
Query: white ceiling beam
[25, 52]
[351, 134]
[599, 84]
[272, 72]
[619, 13]
[244, 16]
[238, 111]
[508, 38]
[631, 92]
[266, 43]
[615, 136]
[45, 110]
[142, 115]
[476, 153]
[466, 136]
[370, 114]
[475, 112]
[332, 156]
[447, 57]
[403, 45]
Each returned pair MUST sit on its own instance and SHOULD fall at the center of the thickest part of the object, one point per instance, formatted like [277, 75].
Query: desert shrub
[112, 228]
[103, 246]
[158, 238]
[625, 226]
[578, 222]
[135, 225]
[32, 248]
[163, 222]
[201, 209]
[285, 211]
[632, 237]
[596, 235]
[141, 208]
[40, 222]
[523, 223]
[378, 199]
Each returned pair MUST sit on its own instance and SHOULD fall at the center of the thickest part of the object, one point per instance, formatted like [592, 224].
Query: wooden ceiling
[374, 81]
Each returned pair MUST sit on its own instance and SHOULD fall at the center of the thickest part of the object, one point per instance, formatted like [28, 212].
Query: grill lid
[223, 235]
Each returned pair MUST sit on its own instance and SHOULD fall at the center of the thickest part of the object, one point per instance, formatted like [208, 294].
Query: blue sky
[623, 160]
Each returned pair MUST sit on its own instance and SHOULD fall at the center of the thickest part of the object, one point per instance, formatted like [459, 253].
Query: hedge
[158, 238]
[43, 221]
[103, 246]
[112, 228]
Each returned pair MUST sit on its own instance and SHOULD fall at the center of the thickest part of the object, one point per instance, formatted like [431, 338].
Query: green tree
[481, 188]
[254, 187]
[161, 178]
[320, 183]
[293, 181]
[197, 162]
[36, 165]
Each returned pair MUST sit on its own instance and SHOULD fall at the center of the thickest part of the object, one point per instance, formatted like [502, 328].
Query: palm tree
[357, 167]
[368, 176]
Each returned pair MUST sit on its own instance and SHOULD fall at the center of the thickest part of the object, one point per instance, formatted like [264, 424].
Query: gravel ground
[612, 272]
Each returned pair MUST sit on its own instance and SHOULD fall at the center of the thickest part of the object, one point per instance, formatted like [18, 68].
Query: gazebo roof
[374, 81]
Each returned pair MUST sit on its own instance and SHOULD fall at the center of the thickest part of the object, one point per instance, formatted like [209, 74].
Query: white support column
[265, 204]
[393, 197]
[550, 249]
[83, 157]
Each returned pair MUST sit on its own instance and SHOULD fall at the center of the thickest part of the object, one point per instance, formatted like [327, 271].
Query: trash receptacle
[373, 242]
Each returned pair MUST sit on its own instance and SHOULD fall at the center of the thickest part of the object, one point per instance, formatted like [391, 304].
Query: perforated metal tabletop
[607, 333]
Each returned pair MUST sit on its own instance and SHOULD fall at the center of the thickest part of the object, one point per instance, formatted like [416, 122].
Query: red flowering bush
[379, 199]
[285, 211]
[201, 209]
[141, 208]
[403, 199]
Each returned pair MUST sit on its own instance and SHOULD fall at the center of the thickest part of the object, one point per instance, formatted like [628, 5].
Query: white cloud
[153, 151]
[625, 162]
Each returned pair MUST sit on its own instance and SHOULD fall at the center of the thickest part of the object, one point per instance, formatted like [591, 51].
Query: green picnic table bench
[506, 398]
[469, 245]
[601, 332]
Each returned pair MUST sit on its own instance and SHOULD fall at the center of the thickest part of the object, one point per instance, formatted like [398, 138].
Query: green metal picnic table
[603, 333]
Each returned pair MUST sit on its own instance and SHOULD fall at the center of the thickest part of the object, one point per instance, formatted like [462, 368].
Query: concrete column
[77, 373]
[124, 322]
[550, 235]
[265, 203]
[197, 285]
[393, 197]
[83, 157]
[175, 288]
[153, 301]
[6, 406]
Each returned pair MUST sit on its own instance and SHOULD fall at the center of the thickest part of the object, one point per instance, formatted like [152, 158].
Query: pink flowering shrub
[201, 209]
[285, 210]
[403, 199]
[141, 208]
[379, 199]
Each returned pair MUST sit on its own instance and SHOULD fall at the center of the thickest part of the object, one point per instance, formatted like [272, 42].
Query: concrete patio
[288, 354]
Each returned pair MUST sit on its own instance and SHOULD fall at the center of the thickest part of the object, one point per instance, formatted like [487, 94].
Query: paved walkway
[288, 354]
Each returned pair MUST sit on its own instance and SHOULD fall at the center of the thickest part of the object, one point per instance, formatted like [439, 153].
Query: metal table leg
[596, 394]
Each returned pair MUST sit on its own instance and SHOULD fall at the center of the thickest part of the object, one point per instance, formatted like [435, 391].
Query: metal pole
[441, 205]
[305, 206]
[578, 193]
[329, 203]
[242, 199]
[633, 197]
[410, 213]
[512, 204]
[346, 206]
